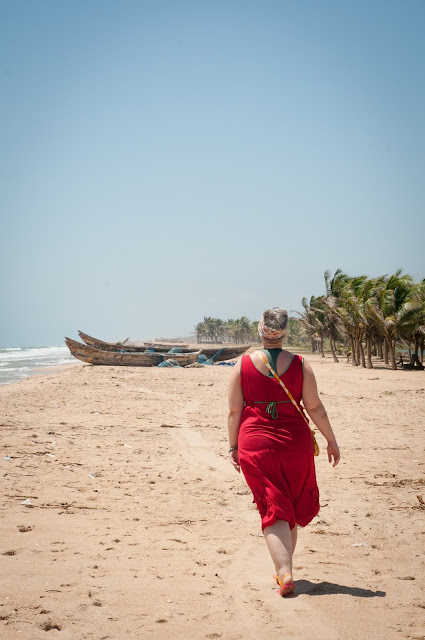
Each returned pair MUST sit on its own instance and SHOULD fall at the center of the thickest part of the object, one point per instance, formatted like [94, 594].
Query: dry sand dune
[138, 526]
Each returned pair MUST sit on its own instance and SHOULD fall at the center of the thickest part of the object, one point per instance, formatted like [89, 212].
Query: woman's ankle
[286, 574]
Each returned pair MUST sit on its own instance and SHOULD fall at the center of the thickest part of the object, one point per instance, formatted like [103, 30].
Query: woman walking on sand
[271, 442]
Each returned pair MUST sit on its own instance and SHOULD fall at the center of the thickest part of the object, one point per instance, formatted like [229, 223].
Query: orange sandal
[285, 589]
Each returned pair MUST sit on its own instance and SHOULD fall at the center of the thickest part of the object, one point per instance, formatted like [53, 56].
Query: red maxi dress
[275, 447]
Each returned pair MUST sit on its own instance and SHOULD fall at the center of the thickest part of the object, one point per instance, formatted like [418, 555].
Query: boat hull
[223, 353]
[164, 346]
[94, 356]
[111, 346]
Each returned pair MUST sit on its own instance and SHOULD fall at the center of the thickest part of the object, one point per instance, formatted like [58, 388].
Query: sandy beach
[136, 526]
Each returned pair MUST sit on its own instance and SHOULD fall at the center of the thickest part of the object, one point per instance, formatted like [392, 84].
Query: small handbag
[292, 399]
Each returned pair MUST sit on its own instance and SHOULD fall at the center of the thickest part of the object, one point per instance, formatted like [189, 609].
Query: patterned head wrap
[270, 334]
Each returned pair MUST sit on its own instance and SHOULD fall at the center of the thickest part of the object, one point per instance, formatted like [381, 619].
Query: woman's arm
[236, 402]
[317, 412]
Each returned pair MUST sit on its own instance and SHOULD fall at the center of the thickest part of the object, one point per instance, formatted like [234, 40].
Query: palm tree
[334, 287]
[295, 329]
[394, 310]
[209, 328]
[414, 332]
[254, 336]
[365, 292]
[245, 328]
[219, 326]
[230, 330]
[200, 331]
[372, 313]
[314, 321]
[352, 319]
[419, 335]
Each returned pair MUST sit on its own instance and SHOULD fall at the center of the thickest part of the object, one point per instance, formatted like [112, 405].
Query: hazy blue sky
[161, 161]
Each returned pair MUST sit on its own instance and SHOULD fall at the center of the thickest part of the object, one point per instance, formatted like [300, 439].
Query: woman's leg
[281, 542]
[294, 536]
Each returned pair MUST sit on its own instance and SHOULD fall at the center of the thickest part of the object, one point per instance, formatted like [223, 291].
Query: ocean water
[17, 363]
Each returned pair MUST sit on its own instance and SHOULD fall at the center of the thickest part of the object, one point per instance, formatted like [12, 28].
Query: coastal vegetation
[242, 330]
[367, 317]
[217, 330]
[364, 318]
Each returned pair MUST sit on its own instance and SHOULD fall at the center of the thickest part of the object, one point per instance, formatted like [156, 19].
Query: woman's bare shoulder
[307, 368]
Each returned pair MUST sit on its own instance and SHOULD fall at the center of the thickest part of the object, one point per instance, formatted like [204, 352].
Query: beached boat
[125, 345]
[166, 346]
[95, 356]
[225, 353]
[218, 353]
[221, 353]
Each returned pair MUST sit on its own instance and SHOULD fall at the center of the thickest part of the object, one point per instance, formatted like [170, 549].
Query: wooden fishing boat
[111, 346]
[98, 357]
[134, 347]
[225, 353]
[166, 346]
[228, 352]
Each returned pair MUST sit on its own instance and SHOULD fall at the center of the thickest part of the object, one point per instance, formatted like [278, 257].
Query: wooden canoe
[166, 346]
[224, 353]
[111, 346]
[98, 357]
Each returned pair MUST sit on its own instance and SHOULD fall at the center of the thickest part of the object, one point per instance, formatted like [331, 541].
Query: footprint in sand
[48, 625]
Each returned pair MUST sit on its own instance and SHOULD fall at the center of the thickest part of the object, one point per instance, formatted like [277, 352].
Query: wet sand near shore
[46, 371]
[122, 517]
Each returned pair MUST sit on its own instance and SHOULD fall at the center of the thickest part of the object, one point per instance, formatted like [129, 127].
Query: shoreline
[378, 366]
[19, 363]
[56, 368]
[131, 492]
[41, 371]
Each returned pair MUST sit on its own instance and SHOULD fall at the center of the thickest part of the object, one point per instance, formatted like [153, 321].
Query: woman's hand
[234, 459]
[333, 452]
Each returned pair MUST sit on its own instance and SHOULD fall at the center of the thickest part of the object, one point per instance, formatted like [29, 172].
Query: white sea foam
[18, 362]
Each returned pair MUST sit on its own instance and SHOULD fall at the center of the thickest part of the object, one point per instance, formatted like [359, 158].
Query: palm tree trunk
[386, 350]
[313, 345]
[417, 361]
[358, 351]
[379, 345]
[321, 347]
[392, 354]
[362, 354]
[353, 353]
[369, 364]
[332, 348]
